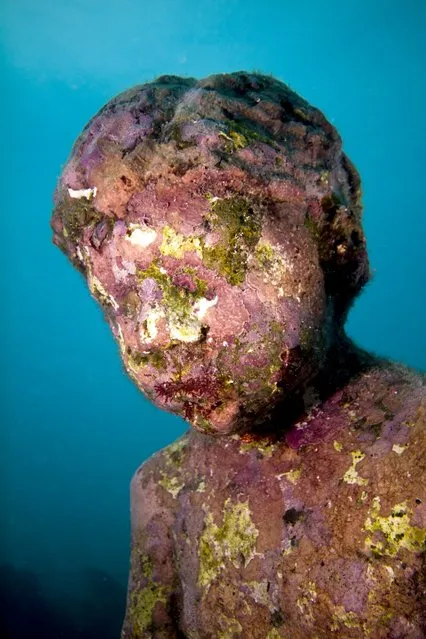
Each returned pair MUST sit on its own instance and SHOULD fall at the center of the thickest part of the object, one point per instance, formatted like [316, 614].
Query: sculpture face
[210, 250]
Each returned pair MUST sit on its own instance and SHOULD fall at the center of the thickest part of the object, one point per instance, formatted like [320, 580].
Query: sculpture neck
[344, 361]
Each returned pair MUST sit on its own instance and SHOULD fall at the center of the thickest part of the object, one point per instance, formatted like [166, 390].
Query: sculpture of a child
[218, 223]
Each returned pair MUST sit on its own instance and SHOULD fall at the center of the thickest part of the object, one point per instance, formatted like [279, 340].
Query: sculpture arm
[151, 610]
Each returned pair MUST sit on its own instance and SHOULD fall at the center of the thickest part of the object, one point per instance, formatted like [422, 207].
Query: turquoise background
[73, 428]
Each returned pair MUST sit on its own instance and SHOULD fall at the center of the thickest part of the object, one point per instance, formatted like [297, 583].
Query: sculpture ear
[153, 588]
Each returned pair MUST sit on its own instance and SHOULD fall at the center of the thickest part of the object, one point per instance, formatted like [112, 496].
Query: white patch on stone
[98, 291]
[79, 193]
[202, 306]
[120, 274]
[151, 330]
[120, 338]
[398, 449]
[129, 266]
[79, 254]
[390, 572]
[185, 333]
[140, 236]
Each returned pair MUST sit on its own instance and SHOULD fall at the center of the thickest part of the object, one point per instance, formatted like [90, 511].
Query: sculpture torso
[318, 534]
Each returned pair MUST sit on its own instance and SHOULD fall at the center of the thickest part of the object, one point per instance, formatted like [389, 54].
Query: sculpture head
[218, 223]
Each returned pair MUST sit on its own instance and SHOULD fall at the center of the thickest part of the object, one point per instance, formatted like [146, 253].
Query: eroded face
[217, 301]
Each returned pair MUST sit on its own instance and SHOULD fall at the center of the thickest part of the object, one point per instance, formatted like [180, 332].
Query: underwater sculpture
[218, 223]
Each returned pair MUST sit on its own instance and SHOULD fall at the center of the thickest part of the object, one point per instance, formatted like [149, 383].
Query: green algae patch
[243, 134]
[77, 214]
[394, 532]
[268, 259]
[233, 541]
[240, 226]
[155, 357]
[234, 141]
[265, 255]
[258, 379]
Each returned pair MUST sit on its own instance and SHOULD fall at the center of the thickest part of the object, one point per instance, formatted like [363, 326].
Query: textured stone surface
[218, 223]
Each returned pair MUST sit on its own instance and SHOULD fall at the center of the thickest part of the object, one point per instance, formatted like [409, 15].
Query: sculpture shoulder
[157, 481]
[387, 380]
[387, 403]
[153, 582]
[382, 396]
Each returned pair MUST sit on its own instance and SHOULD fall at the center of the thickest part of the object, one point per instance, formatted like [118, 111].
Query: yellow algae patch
[363, 496]
[173, 485]
[351, 476]
[176, 447]
[259, 591]
[232, 627]
[273, 265]
[305, 601]
[201, 487]
[337, 446]
[171, 477]
[234, 540]
[176, 244]
[142, 601]
[395, 531]
[292, 475]
[264, 447]
[239, 141]
[342, 617]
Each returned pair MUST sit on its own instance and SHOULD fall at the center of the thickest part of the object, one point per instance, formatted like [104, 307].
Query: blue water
[73, 428]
